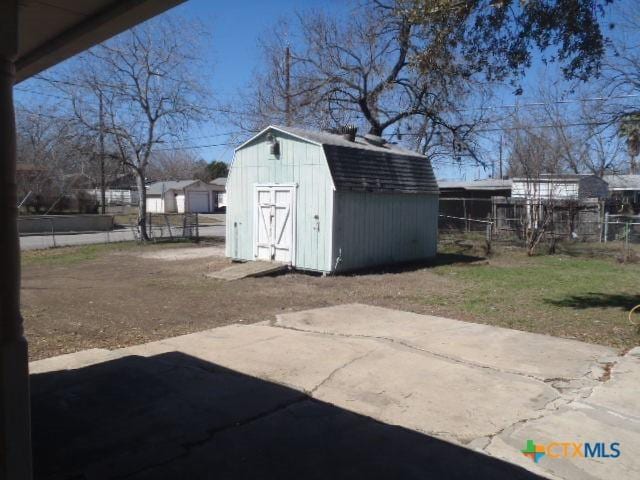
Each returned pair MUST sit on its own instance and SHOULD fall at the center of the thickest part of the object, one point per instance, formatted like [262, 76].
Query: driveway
[340, 392]
[36, 242]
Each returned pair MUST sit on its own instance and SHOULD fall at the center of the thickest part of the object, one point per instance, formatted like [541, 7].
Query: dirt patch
[173, 254]
[121, 298]
[114, 296]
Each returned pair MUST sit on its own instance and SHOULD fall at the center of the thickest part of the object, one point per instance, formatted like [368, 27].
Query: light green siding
[301, 163]
[378, 229]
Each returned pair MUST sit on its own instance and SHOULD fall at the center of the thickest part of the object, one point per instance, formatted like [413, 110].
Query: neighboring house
[181, 196]
[329, 202]
[471, 199]
[624, 190]
[221, 191]
[560, 187]
[475, 189]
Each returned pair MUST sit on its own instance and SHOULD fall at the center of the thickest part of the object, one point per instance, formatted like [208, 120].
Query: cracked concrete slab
[298, 360]
[486, 389]
[578, 423]
[621, 393]
[483, 345]
[452, 400]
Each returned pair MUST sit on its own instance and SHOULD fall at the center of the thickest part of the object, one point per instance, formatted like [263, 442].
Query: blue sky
[232, 54]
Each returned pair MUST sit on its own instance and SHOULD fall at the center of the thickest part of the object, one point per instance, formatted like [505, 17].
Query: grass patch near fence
[576, 297]
[78, 254]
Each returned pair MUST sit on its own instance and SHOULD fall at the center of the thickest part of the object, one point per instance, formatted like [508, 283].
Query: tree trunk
[375, 130]
[142, 206]
[103, 197]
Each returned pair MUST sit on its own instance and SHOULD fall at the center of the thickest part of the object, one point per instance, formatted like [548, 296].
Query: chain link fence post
[53, 232]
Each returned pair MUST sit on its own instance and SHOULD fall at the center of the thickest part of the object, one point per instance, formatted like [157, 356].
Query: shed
[329, 202]
[463, 199]
[181, 196]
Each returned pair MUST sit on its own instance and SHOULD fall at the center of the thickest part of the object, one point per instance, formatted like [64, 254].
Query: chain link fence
[503, 221]
[47, 231]
[170, 226]
[622, 228]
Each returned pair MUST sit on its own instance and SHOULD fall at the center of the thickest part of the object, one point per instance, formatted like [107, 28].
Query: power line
[489, 107]
[192, 147]
[508, 129]
[554, 102]
[516, 105]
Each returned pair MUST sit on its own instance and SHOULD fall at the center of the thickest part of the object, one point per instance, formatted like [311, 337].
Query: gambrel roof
[362, 166]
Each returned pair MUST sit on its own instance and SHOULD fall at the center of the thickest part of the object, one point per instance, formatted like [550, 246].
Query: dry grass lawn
[108, 296]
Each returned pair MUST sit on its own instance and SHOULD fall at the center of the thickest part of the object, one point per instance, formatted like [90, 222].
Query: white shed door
[274, 223]
[199, 202]
[264, 221]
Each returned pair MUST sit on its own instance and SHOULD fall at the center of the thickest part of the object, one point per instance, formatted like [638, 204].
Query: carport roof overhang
[51, 31]
[36, 35]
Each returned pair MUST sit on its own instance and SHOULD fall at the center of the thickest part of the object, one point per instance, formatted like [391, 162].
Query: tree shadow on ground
[174, 416]
[597, 300]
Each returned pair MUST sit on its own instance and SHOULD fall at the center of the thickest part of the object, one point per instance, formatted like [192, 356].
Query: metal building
[329, 202]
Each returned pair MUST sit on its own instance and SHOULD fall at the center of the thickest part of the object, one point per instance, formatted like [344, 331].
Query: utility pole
[500, 157]
[102, 176]
[287, 86]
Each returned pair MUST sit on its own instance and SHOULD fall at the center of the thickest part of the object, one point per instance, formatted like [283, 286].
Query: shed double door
[275, 223]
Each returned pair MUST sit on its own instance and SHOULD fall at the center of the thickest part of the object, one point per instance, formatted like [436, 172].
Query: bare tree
[362, 69]
[584, 138]
[622, 78]
[150, 90]
[530, 159]
[629, 129]
[561, 136]
[176, 165]
[51, 154]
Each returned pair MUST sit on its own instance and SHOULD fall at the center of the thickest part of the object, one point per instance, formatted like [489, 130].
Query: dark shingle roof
[360, 166]
[486, 184]
[379, 171]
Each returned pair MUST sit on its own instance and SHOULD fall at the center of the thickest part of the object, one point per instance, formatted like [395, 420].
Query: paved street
[340, 392]
[34, 242]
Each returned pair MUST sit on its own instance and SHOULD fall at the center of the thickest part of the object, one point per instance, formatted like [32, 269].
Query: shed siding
[376, 229]
[299, 163]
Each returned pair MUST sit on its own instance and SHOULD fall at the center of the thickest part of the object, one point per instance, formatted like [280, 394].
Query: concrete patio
[340, 392]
